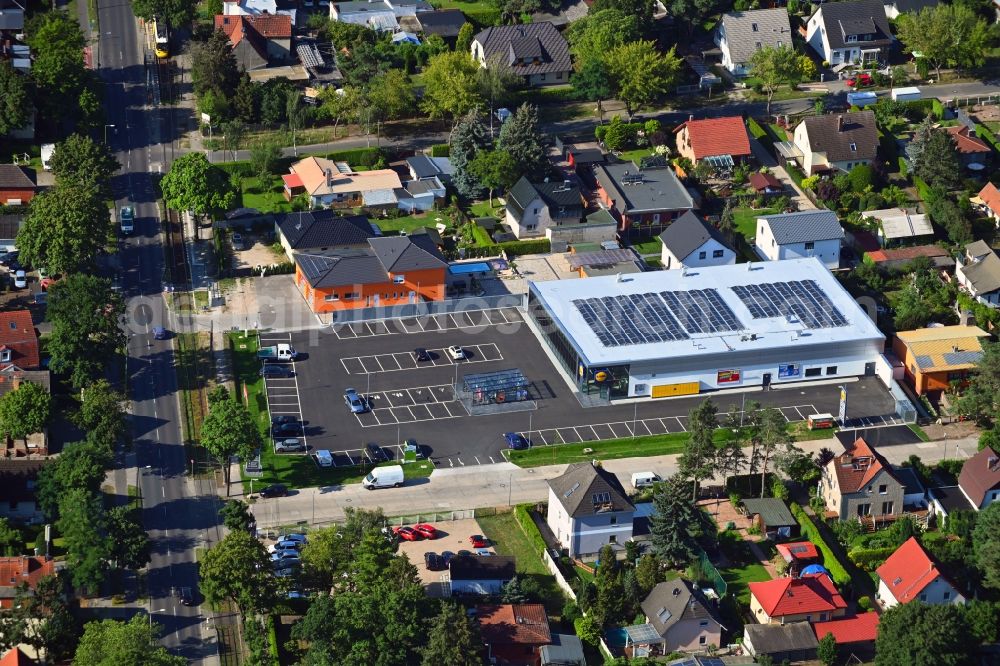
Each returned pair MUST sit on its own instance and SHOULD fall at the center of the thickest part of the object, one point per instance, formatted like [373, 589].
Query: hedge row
[440, 150]
[357, 156]
[759, 132]
[512, 248]
[811, 532]
[795, 174]
[522, 513]
[869, 559]
[987, 135]
[923, 188]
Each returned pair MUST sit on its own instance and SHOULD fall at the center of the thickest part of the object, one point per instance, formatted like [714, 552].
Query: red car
[860, 81]
[426, 530]
[406, 533]
[479, 541]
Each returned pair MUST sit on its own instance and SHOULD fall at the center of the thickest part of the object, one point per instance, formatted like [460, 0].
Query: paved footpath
[504, 484]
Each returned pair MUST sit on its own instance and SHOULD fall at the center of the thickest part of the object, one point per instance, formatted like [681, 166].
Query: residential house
[445, 23]
[808, 233]
[860, 483]
[765, 183]
[328, 183]
[480, 574]
[722, 142]
[741, 34]
[16, 657]
[798, 555]
[973, 152]
[18, 483]
[564, 650]
[681, 617]
[379, 15]
[644, 201]
[780, 642]
[322, 231]
[10, 224]
[911, 574]
[258, 41]
[419, 195]
[934, 358]
[893, 8]
[422, 167]
[18, 340]
[533, 209]
[11, 16]
[832, 142]
[259, 8]
[808, 598]
[22, 569]
[897, 225]
[945, 500]
[853, 32]
[989, 201]
[17, 185]
[853, 635]
[691, 242]
[393, 270]
[513, 633]
[772, 517]
[914, 493]
[977, 271]
[588, 509]
[537, 52]
[583, 156]
[979, 480]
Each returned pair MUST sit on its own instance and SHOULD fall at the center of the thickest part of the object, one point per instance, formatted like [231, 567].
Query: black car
[271, 370]
[376, 453]
[420, 355]
[274, 490]
[286, 429]
[281, 419]
[186, 596]
[433, 562]
[447, 556]
[8, 257]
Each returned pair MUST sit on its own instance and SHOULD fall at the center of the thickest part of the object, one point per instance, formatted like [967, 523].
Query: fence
[447, 306]
[905, 408]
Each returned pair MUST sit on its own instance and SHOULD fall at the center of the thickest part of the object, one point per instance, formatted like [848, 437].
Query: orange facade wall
[428, 285]
[922, 382]
[23, 195]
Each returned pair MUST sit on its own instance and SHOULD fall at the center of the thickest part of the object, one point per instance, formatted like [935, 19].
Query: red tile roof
[272, 26]
[717, 136]
[857, 629]
[857, 466]
[908, 571]
[17, 570]
[812, 593]
[522, 624]
[991, 197]
[966, 142]
[980, 473]
[18, 335]
[798, 550]
[907, 253]
[16, 658]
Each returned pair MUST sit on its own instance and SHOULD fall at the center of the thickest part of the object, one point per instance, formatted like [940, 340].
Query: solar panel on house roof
[802, 300]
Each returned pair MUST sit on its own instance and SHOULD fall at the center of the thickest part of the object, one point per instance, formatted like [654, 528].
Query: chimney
[691, 117]
[991, 462]
[840, 123]
[954, 348]
[329, 177]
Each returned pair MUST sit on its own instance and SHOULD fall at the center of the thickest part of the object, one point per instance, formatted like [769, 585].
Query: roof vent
[677, 591]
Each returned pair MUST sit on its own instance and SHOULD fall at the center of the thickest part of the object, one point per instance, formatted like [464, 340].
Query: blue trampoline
[815, 569]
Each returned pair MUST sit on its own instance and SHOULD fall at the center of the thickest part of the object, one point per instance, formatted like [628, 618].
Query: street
[178, 514]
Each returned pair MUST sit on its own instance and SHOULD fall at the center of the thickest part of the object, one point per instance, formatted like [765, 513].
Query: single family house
[808, 598]
[18, 340]
[534, 209]
[681, 617]
[322, 231]
[644, 201]
[741, 34]
[934, 358]
[722, 142]
[852, 32]
[336, 184]
[22, 569]
[911, 574]
[973, 153]
[445, 23]
[979, 480]
[832, 142]
[17, 185]
[513, 633]
[860, 483]
[536, 52]
[977, 271]
[691, 242]
[989, 201]
[809, 233]
[258, 40]
[589, 509]
[18, 486]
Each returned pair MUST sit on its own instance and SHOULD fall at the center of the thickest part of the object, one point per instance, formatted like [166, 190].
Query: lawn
[655, 445]
[409, 223]
[508, 538]
[484, 209]
[636, 155]
[649, 246]
[738, 580]
[745, 220]
[271, 200]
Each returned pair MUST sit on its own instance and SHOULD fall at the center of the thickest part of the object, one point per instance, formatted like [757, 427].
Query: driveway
[765, 158]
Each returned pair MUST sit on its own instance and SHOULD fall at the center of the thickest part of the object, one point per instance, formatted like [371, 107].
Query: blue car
[515, 441]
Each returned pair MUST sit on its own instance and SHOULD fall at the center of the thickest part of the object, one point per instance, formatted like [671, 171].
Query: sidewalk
[505, 484]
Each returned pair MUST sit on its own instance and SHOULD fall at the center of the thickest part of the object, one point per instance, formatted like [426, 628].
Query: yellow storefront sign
[684, 388]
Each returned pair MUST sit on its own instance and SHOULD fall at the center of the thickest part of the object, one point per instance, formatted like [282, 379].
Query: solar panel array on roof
[802, 300]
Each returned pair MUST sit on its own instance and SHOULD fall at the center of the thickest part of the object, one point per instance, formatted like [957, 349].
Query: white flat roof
[899, 223]
[779, 332]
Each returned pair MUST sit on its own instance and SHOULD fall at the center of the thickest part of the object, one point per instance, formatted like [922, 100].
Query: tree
[937, 163]
[194, 184]
[57, 60]
[213, 66]
[389, 96]
[648, 573]
[102, 412]
[697, 462]
[236, 515]
[796, 464]
[593, 81]
[452, 638]
[690, 12]
[450, 88]
[981, 398]
[729, 457]
[176, 12]
[229, 431]
[642, 10]
[463, 43]
[773, 433]
[945, 35]
[609, 602]
[84, 532]
[65, 230]
[468, 138]
[264, 157]
[677, 523]
[115, 643]
[774, 66]
[44, 618]
[599, 32]
[81, 465]
[826, 651]
[641, 73]
[25, 410]
[945, 212]
[494, 169]
[494, 83]
[233, 132]
[340, 105]
[86, 317]
[986, 545]
[238, 569]
[15, 100]
[520, 138]
[919, 634]
[130, 545]
[11, 541]
[79, 161]
[983, 618]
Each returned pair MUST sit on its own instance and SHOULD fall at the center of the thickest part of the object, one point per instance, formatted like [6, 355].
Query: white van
[384, 477]
[644, 479]
[324, 458]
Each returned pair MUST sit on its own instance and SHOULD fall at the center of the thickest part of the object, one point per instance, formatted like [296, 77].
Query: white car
[456, 352]
[20, 280]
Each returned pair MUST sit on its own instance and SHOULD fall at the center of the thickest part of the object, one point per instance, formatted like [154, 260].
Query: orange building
[933, 358]
[393, 270]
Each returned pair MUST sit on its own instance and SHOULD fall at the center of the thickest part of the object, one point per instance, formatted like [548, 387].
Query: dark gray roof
[10, 225]
[399, 254]
[773, 511]
[564, 650]
[834, 134]
[804, 226]
[342, 270]
[673, 601]
[687, 233]
[586, 155]
[951, 498]
[586, 490]
[772, 26]
[649, 190]
[14, 177]
[482, 567]
[251, 52]
[780, 638]
[860, 17]
[11, 15]
[559, 195]
[908, 477]
[984, 275]
[443, 22]
[324, 228]
[18, 479]
[541, 40]
[903, 6]
[422, 166]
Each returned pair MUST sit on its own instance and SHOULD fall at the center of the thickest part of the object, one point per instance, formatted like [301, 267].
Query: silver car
[354, 401]
[289, 445]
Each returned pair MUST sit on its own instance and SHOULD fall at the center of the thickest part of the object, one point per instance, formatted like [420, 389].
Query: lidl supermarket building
[667, 333]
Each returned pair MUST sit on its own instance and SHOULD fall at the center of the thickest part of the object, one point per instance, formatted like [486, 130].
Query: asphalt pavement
[177, 514]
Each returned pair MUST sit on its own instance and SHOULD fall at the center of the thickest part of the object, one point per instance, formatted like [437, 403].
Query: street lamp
[106, 133]
[150, 614]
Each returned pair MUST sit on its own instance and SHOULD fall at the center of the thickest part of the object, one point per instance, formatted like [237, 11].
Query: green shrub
[924, 189]
[865, 603]
[869, 559]
[272, 638]
[357, 156]
[987, 135]
[903, 168]
[795, 174]
[522, 513]
[440, 150]
[512, 248]
[811, 532]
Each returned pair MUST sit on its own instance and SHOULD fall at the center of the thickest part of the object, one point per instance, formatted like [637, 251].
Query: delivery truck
[384, 477]
[282, 352]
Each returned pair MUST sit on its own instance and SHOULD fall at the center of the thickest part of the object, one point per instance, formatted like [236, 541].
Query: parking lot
[411, 400]
[453, 536]
[476, 321]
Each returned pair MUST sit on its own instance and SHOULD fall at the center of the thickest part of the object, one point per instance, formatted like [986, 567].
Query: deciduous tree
[236, 515]
[83, 527]
[80, 161]
[81, 465]
[826, 651]
[593, 81]
[15, 100]
[102, 411]
[238, 569]
[986, 545]
[130, 545]
[494, 169]
[86, 318]
[65, 230]
[597, 33]
[47, 624]
[57, 60]
[196, 185]
[115, 643]
[774, 66]
[450, 85]
[677, 523]
[229, 431]
[919, 634]
[697, 462]
[945, 35]
[773, 435]
[642, 74]
[981, 398]
[25, 410]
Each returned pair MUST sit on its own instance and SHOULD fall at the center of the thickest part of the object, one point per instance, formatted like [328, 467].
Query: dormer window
[854, 147]
[5, 356]
[851, 39]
